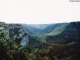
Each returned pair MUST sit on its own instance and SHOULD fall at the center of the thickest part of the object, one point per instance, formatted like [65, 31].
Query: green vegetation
[40, 36]
[73, 43]
[58, 30]
[54, 31]
[9, 50]
[36, 50]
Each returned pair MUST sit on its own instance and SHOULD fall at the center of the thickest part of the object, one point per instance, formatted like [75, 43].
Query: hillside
[69, 34]
[62, 42]
[60, 33]
[53, 33]
[50, 30]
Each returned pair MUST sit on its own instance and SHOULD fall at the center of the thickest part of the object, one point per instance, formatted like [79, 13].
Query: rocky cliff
[15, 32]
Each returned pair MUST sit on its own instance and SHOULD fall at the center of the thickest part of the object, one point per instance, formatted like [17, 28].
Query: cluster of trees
[10, 50]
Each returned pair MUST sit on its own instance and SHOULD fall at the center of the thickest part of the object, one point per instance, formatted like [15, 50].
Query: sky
[39, 11]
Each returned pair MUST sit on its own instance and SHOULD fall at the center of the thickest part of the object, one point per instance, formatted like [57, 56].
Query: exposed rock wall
[16, 32]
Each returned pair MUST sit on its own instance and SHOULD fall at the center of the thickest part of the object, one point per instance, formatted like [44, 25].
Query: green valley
[59, 41]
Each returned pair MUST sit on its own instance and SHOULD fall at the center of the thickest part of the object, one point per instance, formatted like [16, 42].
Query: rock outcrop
[15, 32]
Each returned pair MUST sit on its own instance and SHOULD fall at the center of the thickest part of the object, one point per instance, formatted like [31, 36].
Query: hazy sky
[39, 11]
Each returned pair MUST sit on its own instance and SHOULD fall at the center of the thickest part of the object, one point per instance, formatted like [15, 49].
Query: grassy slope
[59, 29]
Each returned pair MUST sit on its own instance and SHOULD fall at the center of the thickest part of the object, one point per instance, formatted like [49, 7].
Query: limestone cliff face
[16, 32]
[70, 34]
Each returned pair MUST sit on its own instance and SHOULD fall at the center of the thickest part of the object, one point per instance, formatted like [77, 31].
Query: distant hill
[39, 26]
[67, 33]
[30, 29]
